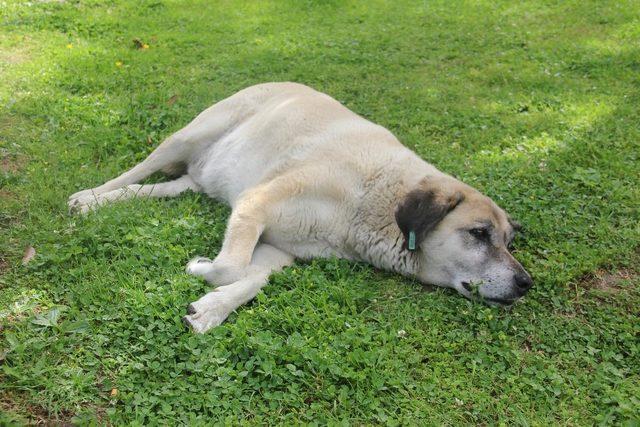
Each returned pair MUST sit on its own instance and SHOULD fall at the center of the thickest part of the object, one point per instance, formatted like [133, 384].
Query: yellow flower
[145, 46]
[118, 63]
[70, 46]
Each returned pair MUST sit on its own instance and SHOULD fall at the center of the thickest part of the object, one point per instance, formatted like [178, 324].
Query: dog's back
[275, 127]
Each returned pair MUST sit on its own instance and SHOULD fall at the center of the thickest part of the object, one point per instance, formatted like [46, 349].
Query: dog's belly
[228, 167]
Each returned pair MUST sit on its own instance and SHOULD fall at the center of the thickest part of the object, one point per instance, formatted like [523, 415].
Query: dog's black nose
[523, 281]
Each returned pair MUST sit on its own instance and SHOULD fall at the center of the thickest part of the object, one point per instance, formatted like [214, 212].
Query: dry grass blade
[29, 253]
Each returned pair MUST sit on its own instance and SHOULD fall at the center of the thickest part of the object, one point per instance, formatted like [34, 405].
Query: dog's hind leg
[87, 202]
[213, 308]
[173, 151]
[177, 151]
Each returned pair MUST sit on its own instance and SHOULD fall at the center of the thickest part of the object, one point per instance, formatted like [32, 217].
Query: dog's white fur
[306, 177]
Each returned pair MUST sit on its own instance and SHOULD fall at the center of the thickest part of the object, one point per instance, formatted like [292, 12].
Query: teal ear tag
[412, 241]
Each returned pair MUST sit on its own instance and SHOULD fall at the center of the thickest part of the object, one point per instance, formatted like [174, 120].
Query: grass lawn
[537, 104]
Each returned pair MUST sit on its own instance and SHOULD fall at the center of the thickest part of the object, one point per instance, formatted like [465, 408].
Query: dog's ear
[420, 211]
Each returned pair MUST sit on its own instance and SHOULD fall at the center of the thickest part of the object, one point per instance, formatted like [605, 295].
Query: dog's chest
[309, 227]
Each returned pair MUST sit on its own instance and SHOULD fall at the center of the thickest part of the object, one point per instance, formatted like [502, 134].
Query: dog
[306, 177]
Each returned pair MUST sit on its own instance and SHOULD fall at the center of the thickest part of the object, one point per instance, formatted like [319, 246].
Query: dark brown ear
[420, 212]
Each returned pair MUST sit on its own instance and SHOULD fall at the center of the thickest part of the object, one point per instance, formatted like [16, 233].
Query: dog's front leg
[245, 226]
[247, 222]
[213, 308]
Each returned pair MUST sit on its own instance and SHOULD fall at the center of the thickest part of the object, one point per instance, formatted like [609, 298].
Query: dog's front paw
[217, 272]
[206, 313]
[82, 201]
[199, 266]
[78, 206]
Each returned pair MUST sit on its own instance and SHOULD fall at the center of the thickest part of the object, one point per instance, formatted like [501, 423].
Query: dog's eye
[480, 233]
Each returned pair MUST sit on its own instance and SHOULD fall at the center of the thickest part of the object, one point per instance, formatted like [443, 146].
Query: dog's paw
[81, 206]
[203, 324]
[216, 272]
[199, 266]
[206, 313]
[82, 201]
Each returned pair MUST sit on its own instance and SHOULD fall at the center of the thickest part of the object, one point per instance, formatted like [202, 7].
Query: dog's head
[462, 239]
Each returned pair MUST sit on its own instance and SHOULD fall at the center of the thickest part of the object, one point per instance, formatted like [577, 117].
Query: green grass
[536, 103]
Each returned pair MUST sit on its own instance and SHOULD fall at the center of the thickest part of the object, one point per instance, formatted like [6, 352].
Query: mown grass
[534, 103]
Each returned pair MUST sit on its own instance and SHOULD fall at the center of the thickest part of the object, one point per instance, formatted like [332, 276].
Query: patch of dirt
[10, 165]
[6, 194]
[611, 287]
[15, 51]
[607, 281]
[35, 415]
[29, 414]
[12, 58]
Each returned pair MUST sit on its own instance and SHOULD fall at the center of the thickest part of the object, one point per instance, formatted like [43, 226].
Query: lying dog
[306, 177]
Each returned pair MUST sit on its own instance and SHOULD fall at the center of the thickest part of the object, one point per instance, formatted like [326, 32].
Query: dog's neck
[375, 236]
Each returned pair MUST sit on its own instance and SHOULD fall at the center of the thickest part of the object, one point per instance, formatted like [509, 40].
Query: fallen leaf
[29, 253]
[172, 100]
[149, 140]
[114, 392]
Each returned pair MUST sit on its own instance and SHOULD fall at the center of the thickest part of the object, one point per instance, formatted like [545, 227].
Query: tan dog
[306, 177]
